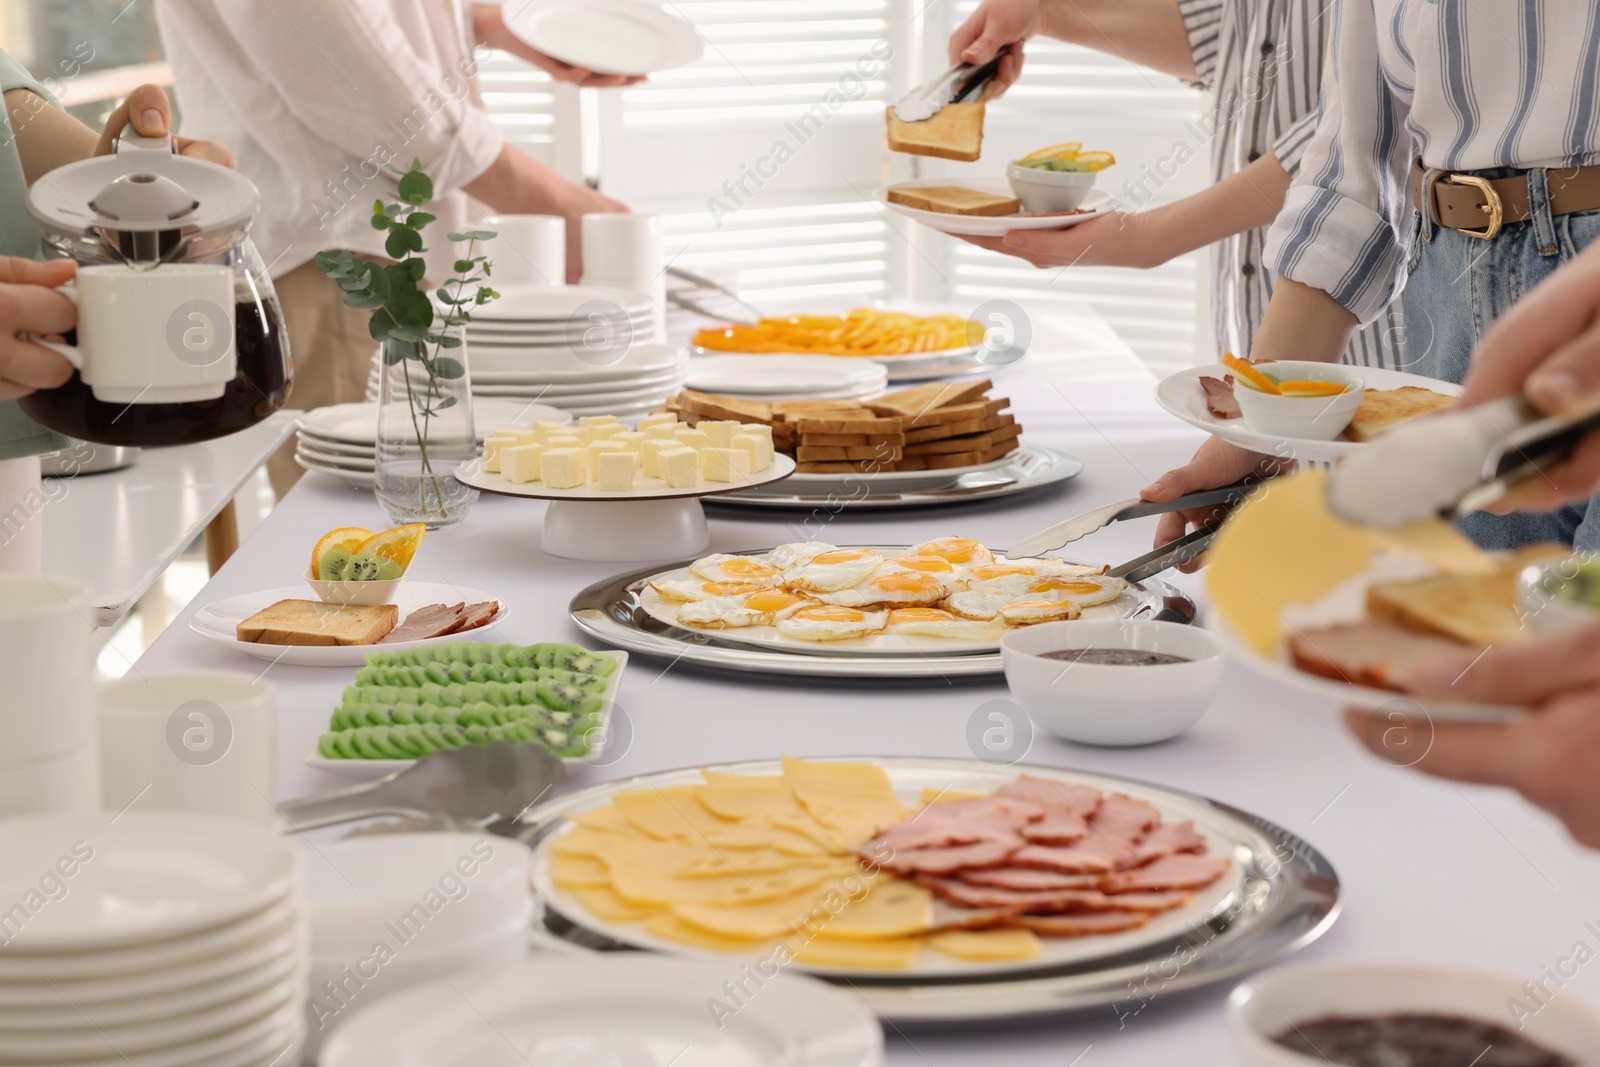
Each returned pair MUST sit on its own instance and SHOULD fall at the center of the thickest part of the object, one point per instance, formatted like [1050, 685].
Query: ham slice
[1165, 840]
[1080, 798]
[476, 615]
[1123, 819]
[1220, 400]
[1167, 873]
[1060, 826]
[1023, 879]
[1086, 925]
[959, 822]
[1093, 855]
[435, 620]
[990, 853]
[1377, 654]
[1048, 901]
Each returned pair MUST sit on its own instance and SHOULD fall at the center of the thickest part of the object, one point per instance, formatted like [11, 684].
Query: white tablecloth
[1430, 871]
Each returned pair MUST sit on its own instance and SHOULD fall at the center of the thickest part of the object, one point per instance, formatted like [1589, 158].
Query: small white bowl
[1264, 1006]
[1309, 418]
[1536, 596]
[1045, 192]
[359, 594]
[1101, 704]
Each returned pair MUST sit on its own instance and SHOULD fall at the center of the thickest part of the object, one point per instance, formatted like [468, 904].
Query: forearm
[1150, 33]
[1243, 201]
[518, 184]
[46, 136]
[1303, 323]
[489, 26]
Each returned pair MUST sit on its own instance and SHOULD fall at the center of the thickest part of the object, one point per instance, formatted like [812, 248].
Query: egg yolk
[1065, 585]
[924, 563]
[830, 613]
[903, 582]
[999, 570]
[920, 615]
[747, 568]
[845, 555]
[954, 549]
[771, 600]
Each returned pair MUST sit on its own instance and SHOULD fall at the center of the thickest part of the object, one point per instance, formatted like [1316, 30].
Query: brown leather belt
[1478, 207]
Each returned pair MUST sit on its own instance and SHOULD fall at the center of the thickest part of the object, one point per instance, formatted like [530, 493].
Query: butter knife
[956, 85]
[1064, 533]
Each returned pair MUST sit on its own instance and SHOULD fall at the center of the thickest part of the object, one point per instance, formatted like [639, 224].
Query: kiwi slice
[561, 696]
[363, 568]
[592, 682]
[575, 659]
[334, 564]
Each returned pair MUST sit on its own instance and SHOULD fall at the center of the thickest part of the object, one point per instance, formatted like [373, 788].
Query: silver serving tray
[610, 611]
[1290, 896]
[1031, 467]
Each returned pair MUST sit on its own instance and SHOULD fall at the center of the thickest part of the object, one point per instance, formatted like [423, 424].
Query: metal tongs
[1454, 462]
[955, 86]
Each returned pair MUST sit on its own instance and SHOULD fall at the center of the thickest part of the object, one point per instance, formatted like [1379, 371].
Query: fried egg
[926, 564]
[980, 606]
[832, 571]
[831, 622]
[1028, 612]
[960, 550]
[685, 590]
[736, 570]
[934, 622]
[797, 552]
[895, 588]
[761, 608]
[1084, 590]
[1052, 565]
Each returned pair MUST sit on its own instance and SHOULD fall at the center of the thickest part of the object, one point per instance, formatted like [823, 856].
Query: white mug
[528, 249]
[46, 660]
[200, 741]
[159, 336]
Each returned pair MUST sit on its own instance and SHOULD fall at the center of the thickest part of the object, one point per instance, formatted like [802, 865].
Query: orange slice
[1065, 150]
[1249, 375]
[399, 543]
[346, 537]
[1306, 387]
[1092, 161]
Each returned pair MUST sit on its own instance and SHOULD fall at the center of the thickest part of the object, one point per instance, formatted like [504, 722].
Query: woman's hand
[148, 111]
[489, 27]
[1215, 464]
[1116, 239]
[30, 304]
[994, 25]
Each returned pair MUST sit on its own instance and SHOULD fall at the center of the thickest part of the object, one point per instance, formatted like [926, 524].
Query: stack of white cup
[528, 249]
[624, 252]
[48, 760]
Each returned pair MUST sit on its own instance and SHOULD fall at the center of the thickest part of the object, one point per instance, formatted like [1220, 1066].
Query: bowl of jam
[1405, 1015]
[1113, 681]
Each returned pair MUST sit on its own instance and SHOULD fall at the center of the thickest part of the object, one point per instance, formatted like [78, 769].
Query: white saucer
[1098, 202]
[608, 36]
[783, 375]
[358, 423]
[218, 622]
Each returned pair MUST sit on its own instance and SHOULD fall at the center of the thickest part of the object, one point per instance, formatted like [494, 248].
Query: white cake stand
[651, 521]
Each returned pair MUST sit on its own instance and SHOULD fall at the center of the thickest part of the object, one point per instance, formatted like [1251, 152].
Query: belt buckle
[1493, 207]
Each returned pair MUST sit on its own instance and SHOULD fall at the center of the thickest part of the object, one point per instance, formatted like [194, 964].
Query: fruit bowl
[356, 593]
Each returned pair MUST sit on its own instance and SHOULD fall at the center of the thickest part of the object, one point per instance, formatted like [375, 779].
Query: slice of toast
[310, 622]
[710, 406]
[1377, 654]
[920, 399]
[1475, 609]
[955, 200]
[1384, 409]
[956, 132]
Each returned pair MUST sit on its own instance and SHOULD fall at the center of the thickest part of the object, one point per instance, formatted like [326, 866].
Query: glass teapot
[180, 336]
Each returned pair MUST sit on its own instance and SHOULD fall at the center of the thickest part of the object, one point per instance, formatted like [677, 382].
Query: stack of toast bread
[939, 425]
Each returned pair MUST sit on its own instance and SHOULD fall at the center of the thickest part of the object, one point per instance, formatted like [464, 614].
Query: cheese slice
[573, 871]
[667, 814]
[669, 927]
[605, 903]
[893, 955]
[579, 841]
[986, 946]
[606, 818]
[891, 908]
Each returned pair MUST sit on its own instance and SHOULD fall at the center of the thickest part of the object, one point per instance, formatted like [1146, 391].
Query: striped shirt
[1262, 60]
[1462, 84]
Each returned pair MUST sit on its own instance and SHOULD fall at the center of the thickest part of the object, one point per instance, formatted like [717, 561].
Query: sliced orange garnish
[1065, 150]
[1306, 387]
[345, 537]
[1249, 375]
[1092, 161]
[398, 543]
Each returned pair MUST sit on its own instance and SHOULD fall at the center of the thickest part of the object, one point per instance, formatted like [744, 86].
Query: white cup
[47, 663]
[624, 252]
[159, 336]
[529, 249]
[66, 784]
[199, 741]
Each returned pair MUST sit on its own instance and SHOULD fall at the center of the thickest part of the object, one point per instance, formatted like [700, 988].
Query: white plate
[218, 622]
[880, 644]
[801, 375]
[328, 446]
[358, 423]
[632, 382]
[1181, 395]
[260, 1043]
[1058, 952]
[151, 877]
[365, 770]
[333, 461]
[892, 481]
[352, 479]
[595, 402]
[472, 473]
[1098, 202]
[608, 36]
[539, 305]
[564, 367]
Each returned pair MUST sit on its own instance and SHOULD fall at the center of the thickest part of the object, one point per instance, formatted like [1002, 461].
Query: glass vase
[425, 429]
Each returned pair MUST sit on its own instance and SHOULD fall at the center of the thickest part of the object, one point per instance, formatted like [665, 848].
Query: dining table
[1429, 870]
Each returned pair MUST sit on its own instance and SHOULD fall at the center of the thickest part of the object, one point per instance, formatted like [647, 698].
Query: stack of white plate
[151, 940]
[634, 382]
[572, 323]
[779, 377]
[342, 439]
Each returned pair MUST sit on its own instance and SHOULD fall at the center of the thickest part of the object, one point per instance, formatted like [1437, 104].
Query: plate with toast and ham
[980, 207]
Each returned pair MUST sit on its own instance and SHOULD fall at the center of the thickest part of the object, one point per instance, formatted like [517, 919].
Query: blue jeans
[1457, 287]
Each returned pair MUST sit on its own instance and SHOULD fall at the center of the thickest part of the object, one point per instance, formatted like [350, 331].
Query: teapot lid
[143, 188]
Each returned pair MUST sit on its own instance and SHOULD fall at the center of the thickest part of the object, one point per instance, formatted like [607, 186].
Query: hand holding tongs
[957, 85]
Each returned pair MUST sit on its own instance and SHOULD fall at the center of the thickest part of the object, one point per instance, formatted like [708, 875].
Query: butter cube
[491, 450]
[718, 432]
[564, 468]
[616, 470]
[760, 429]
[565, 440]
[650, 450]
[759, 448]
[547, 428]
[659, 418]
[632, 438]
[680, 466]
[694, 439]
[662, 431]
[585, 421]
[603, 445]
[523, 435]
[520, 463]
[725, 464]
